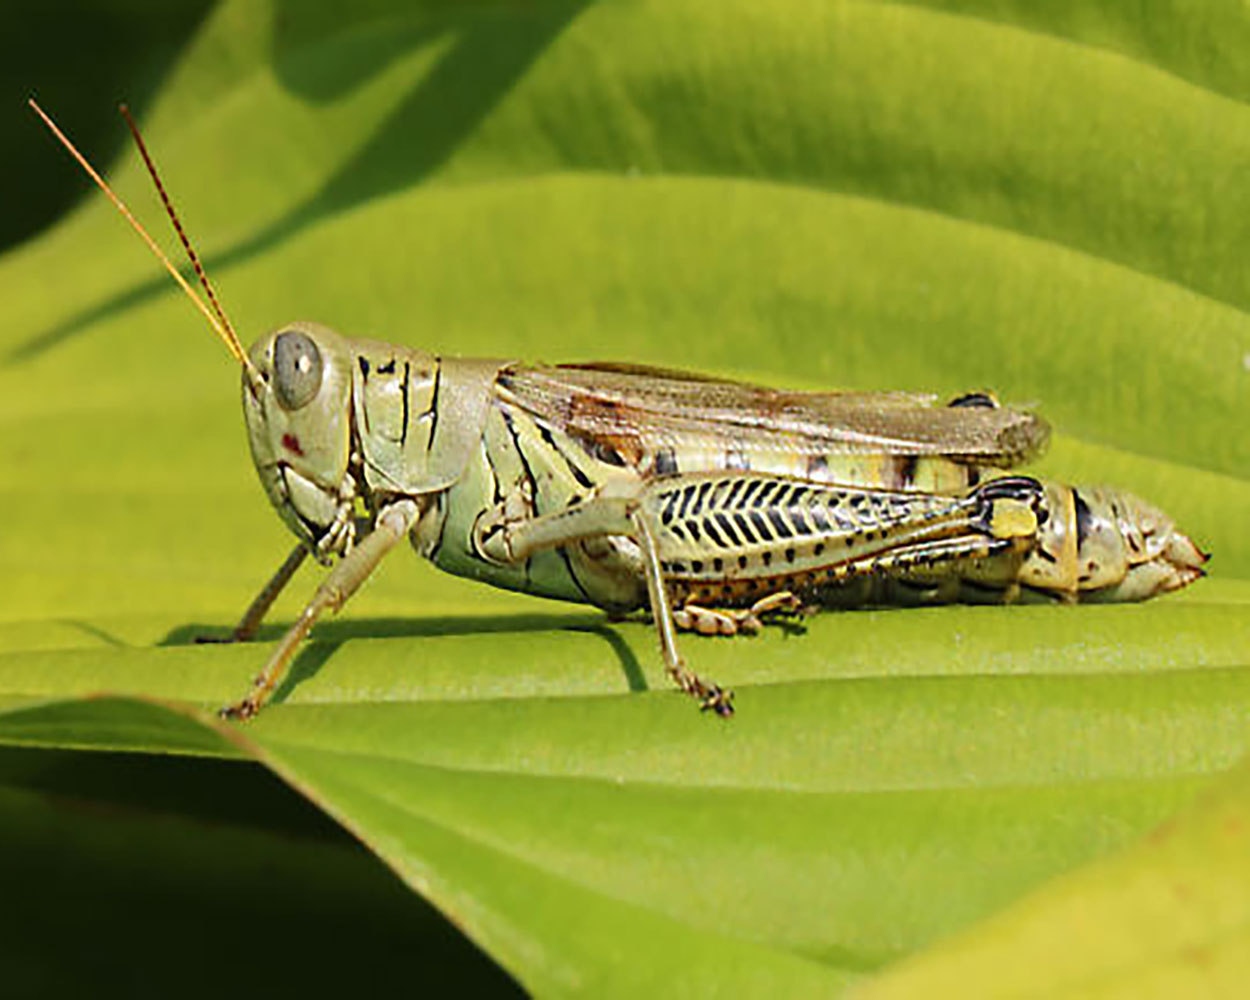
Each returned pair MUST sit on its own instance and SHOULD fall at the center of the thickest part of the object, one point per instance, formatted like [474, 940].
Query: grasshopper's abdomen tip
[1183, 552]
[1154, 556]
[1184, 560]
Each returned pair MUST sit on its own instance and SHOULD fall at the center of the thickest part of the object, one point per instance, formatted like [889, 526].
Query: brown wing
[637, 411]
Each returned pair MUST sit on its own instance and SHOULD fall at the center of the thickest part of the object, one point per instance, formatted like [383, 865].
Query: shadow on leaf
[484, 62]
[329, 636]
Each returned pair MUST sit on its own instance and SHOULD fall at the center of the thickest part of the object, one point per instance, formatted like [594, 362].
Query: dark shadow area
[488, 52]
[222, 791]
[79, 59]
[190, 877]
[328, 636]
[94, 631]
[629, 663]
[339, 631]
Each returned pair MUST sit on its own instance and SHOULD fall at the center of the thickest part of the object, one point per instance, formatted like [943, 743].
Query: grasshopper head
[298, 409]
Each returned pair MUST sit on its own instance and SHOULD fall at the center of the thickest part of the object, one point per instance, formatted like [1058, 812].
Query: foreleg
[343, 580]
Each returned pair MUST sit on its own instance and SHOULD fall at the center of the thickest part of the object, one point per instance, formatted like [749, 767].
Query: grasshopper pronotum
[712, 504]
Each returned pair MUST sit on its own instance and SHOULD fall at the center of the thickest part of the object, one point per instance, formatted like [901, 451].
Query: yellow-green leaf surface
[1171, 918]
[1051, 202]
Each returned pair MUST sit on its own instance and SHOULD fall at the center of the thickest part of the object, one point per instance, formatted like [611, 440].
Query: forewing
[638, 411]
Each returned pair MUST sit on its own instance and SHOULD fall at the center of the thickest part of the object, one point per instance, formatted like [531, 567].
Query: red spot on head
[291, 443]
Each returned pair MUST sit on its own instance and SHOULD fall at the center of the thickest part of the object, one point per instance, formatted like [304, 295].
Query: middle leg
[508, 542]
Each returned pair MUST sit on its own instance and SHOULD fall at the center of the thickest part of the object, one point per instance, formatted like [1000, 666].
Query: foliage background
[938, 196]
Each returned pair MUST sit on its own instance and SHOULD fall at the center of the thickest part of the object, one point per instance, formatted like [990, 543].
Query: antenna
[218, 322]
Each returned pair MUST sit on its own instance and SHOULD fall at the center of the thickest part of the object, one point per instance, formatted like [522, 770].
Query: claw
[241, 711]
[782, 604]
[718, 700]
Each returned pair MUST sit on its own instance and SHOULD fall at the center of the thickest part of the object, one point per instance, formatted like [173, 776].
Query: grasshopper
[714, 505]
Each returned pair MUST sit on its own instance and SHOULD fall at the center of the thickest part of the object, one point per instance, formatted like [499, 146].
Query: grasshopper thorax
[298, 411]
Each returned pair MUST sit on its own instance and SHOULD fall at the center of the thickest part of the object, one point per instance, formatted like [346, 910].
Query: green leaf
[1167, 918]
[932, 197]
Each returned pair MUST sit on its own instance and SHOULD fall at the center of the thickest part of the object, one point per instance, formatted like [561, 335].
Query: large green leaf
[938, 197]
[1169, 918]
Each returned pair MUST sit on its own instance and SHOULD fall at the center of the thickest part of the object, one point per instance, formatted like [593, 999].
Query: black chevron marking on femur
[686, 494]
[727, 528]
[779, 522]
[700, 498]
[670, 505]
[713, 535]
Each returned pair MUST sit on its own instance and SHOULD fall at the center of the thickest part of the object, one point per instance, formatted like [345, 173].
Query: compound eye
[296, 369]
